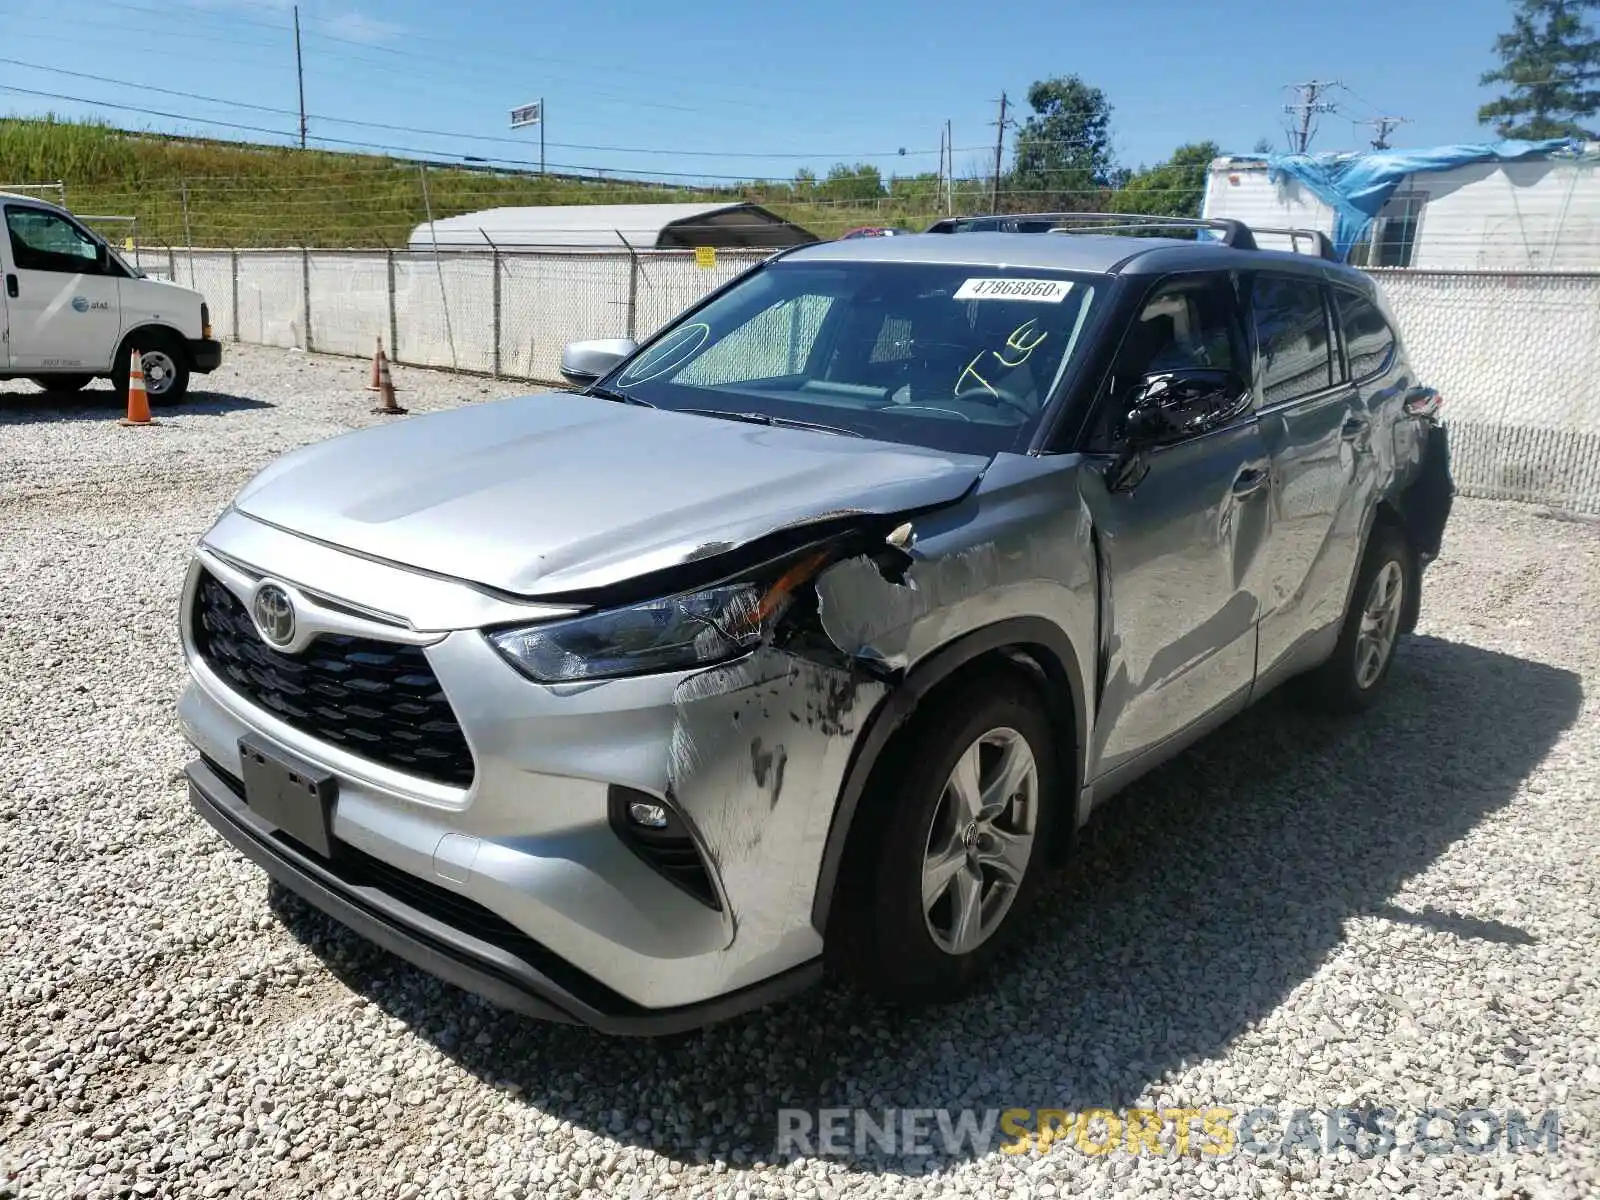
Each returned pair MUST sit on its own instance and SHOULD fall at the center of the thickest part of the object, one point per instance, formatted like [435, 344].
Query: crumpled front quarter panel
[1018, 547]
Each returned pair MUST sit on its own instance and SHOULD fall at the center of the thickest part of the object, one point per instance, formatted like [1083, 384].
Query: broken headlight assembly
[676, 633]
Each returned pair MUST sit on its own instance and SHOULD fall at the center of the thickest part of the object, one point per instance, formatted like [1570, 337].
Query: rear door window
[1294, 351]
[1368, 340]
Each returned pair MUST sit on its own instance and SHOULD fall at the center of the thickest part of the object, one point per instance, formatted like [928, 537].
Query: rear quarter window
[1368, 340]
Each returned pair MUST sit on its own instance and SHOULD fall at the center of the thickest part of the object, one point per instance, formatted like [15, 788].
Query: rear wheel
[1355, 673]
[165, 364]
[958, 860]
[63, 384]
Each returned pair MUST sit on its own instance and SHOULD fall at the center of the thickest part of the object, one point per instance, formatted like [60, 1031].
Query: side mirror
[1144, 426]
[584, 362]
[1173, 404]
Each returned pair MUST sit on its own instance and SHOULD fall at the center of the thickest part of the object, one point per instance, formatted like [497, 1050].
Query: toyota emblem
[274, 613]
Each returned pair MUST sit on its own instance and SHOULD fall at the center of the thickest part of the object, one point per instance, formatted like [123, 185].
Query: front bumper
[523, 978]
[751, 755]
[205, 355]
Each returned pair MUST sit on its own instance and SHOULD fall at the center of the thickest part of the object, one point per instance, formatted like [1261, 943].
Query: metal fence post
[305, 285]
[172, 264]
[234, 260]
[633, 292]
[394, 317]
[496, 305]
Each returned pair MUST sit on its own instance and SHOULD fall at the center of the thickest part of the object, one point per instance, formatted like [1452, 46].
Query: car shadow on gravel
[1198, 901]
[100, 404]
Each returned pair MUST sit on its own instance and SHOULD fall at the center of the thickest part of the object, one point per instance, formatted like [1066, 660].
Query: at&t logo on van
[83, 304]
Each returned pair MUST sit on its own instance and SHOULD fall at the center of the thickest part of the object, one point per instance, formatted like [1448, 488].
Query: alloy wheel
[1380, 622]
[981, 841]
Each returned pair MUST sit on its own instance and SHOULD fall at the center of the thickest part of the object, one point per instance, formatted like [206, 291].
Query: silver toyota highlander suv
[811, 627]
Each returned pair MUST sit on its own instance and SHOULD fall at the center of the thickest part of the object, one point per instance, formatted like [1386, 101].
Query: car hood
[555, 494]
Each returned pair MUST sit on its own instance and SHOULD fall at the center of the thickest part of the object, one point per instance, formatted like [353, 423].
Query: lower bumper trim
[458, 958]
[205, 354]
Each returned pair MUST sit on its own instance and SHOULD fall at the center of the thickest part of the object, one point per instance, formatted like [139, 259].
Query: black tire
[890, 949]
[152, 343]
[63, 384]
[1339, 685]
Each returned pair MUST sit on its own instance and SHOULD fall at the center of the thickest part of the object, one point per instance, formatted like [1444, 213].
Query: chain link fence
[502, 314]
[1516, 354]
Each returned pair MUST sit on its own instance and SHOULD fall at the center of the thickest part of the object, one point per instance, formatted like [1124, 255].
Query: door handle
[1354, 428]
[11, 286]
[1250, 481]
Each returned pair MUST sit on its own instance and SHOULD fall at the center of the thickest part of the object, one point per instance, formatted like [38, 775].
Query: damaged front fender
[759, 749]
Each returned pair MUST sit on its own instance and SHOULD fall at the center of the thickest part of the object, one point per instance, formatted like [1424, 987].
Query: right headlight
[676, 633]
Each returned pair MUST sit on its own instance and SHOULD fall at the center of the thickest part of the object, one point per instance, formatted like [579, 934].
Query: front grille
[379, 700]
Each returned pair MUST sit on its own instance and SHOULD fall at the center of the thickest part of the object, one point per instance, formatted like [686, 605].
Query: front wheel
[960, 857]
[1355, 673]
[165, 365]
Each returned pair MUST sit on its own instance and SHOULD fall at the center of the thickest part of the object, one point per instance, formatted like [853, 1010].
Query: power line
[444, 133]
[434, 60]
[1307, 108]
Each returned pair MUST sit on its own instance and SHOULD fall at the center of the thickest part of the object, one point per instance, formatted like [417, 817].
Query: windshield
[956, 358]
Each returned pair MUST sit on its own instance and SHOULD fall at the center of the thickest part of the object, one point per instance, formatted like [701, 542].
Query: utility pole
[541, 135]
[1307, 108]
[300, 74]
[950, 171]
[999, 152]
[1384, 126]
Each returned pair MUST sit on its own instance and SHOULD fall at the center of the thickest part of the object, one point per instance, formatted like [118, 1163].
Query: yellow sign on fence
[705, 256]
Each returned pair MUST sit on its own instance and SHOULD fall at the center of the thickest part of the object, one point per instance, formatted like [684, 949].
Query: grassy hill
[190, 191]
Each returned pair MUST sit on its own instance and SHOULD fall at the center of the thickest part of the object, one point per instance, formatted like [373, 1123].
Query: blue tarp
[1356, 186]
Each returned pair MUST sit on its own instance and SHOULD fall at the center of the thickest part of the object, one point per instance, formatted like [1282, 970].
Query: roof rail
[1234, 233]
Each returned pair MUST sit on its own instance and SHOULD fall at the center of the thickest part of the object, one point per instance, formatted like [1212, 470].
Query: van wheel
[62, 384]
[165, 363]
[1354, 674]
[958, 861]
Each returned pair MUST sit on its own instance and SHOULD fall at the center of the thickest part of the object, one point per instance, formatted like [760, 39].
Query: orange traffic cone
[377, 360]
[386, 389]
[138, 401]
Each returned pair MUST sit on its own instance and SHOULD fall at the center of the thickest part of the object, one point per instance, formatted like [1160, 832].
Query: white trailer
[1540, 214]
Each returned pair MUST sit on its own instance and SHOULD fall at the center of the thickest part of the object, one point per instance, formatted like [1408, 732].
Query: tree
[1173, 188]
[1551, 62]
[805, 183]
[860, 182]
[1063, 156]
[1262, 146]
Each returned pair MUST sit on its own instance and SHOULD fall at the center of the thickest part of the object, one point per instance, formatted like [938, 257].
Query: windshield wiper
[617, 397]
[757, 418]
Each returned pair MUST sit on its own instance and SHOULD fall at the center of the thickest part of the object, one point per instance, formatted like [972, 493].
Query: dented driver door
[1180, 532]
[1180, 558]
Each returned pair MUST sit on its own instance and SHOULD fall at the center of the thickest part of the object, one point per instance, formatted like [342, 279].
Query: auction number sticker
[1044, 291]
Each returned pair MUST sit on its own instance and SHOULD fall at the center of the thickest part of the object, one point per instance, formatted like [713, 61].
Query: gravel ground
[1399, 910]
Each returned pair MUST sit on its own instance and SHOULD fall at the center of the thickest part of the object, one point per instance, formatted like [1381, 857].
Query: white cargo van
[73, 308]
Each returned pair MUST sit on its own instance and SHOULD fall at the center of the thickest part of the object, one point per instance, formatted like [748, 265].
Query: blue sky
[739, 90]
